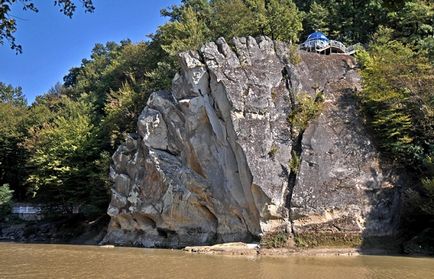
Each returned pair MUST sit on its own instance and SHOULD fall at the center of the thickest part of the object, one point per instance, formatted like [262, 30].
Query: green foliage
[294, 55]
[195, 22]
[312, 240]
[427, 196]
[397, 99]
[348, 21]
[69, 133]
[117, 81]
[200, 7]
[99, 74]
[12, 95]
[122, 110]
[318, 18]
[187, 33]
[426, 48]
[356, 21]
[274, 149]
[278, 19]
[232, 18]
[306, 108]
[413, 22]
[284, 21]
[5, 199]
[275, 240]
[294, 163]
[64, 157]
[398, 102]
[13, 125]
[5, 195]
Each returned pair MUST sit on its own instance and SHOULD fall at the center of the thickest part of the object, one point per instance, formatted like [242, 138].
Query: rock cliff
[217, 158]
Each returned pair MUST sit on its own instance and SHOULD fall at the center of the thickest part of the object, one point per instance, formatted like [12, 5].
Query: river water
[66, 261]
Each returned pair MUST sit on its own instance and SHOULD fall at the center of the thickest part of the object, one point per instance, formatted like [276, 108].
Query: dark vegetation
[57, 150]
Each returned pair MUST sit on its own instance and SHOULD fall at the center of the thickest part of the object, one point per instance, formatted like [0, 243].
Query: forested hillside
[57, 150]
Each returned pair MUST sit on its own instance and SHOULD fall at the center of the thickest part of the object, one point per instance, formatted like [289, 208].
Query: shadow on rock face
[345, 194]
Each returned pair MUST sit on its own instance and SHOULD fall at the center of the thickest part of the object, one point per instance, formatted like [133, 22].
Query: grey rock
[209, 162]
[342, 185]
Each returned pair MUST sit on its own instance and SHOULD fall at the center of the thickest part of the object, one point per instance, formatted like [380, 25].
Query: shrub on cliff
[275, 240]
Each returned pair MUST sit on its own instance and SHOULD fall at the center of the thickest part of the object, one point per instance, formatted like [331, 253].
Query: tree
[8, 25]
[278, 19]
[93, 76]
[414, 21]
[318, 18]
[345, 20]
[189, 32]
[397, 98]
[201, 8]
[66, 158]
[5, 199]
[284, 20]
[13, 116]
[12, 95]
[232, 18]
[122, 111]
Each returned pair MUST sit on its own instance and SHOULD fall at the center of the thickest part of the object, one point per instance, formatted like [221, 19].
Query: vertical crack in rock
[210, 160]
[296, 136]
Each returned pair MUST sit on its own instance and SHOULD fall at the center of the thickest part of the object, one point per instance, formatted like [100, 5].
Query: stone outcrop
[210, 161]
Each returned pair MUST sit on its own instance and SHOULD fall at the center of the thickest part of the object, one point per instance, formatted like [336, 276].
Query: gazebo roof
[317, 36]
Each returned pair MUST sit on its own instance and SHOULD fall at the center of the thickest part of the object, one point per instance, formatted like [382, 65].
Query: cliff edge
[219, 158]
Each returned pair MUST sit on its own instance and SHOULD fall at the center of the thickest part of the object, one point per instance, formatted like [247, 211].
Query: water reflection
[64, 261]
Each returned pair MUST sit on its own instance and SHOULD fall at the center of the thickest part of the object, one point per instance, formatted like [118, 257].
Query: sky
[53, 43]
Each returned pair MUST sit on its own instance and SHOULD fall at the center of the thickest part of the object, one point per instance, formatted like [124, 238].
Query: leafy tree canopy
[12, 95]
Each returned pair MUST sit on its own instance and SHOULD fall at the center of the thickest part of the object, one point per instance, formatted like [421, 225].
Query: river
[67, 261]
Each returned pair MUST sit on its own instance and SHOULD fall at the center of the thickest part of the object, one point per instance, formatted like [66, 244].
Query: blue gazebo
[318, 42]
[317, 36]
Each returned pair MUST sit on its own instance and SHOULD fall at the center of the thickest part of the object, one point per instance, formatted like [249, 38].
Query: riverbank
[253, 249]
[81, 230]
[74, 229]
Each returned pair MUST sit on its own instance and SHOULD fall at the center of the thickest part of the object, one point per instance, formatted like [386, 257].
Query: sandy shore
[246, 249]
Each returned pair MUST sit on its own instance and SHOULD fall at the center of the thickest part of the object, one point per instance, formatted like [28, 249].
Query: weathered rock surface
[210, 160]
[342, 186]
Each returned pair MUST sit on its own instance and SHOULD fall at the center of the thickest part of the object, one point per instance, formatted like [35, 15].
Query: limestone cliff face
[210, 160]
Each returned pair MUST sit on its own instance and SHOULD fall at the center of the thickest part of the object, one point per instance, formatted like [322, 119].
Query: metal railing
[26, 209]
[330, 47]
[338, 45]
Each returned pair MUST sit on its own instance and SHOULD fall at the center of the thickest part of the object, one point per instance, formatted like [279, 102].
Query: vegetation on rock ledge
[275, 240]
[310, 240]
